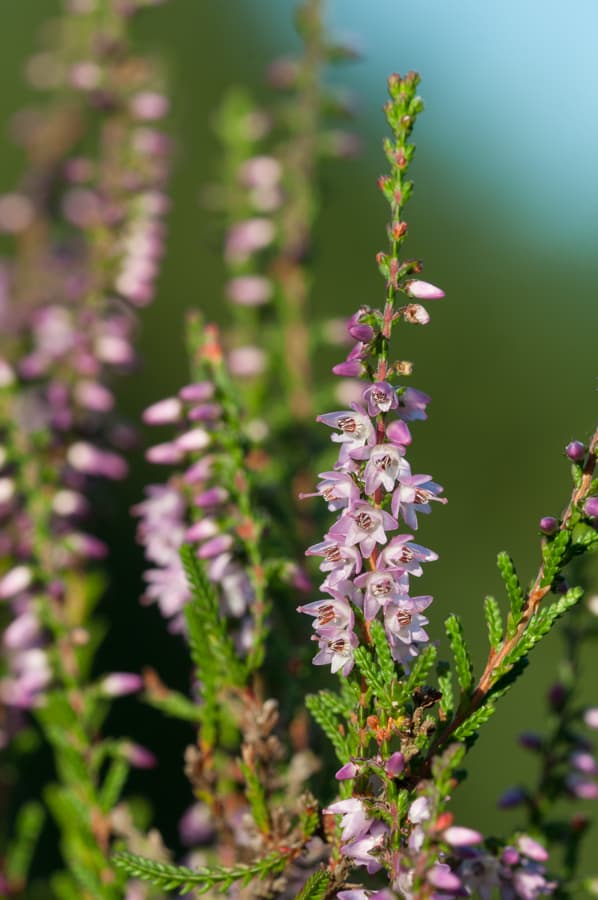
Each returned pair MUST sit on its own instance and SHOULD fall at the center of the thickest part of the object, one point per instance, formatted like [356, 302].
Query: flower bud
[15, 581]
[591, 507]
[118, 684]
[423, 290]
[576, 451]
[548, 524]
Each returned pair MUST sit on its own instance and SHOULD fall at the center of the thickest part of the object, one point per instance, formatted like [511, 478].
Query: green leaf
[555, 557]
[316, 886]
[374, 678]
[418, 676]
[386, 663]
[180, 878]
[328, 722]
[445, 684]
[174, 704]
[113, 783]
[27, 829]
[515, 592]
[474, 722]
[256, 797]
[540, 624]
[463, 664]
[494, 622]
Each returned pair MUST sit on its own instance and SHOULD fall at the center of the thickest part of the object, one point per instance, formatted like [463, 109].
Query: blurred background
[504, 215]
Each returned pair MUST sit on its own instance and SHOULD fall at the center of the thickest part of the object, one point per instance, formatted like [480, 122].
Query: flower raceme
[366, 563]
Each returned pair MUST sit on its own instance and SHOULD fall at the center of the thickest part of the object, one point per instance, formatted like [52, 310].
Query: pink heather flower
[336, 651]
[91, 460]
[248, 237]
[404, 626]
[590, 717]
[423, 290]
[356, 430]
[413, 495]
[330, 612]
[360, 849]
[167, 454]
[364, 525]
[584, 762]
[205, 412]
[395, 764]
[15, 581]
[165, 412]
[196, 439]
[22, 631]
[419, 811]
[412, 405]
[380, 397]
[196, 825]
[118, 684]
[149, 106]
[352, 366]
[397, 432]
[139, 756]
[197, 392]
[246, 362]
[349, 770]
[93, 395]
[531, 848]
[458, 836]
[405, 556]
[261, 172]
[590, 507]
[380, 587]
[249, 290]
[337, 488]
[385, 465]
[440, 876]
[339, 560]
[355, 821]
[581, 787]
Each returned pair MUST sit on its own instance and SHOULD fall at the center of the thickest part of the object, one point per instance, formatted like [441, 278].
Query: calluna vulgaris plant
[226, 530]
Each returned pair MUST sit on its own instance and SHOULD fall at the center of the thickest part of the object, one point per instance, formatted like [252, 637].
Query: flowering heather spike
[372, 465]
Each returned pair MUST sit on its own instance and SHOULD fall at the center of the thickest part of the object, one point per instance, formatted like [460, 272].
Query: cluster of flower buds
[192, 506]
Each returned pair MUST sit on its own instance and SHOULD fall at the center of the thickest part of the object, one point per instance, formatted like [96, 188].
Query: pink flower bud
[590, 717]
[196, 393]
[196, 439]
[139, 756]
[531, 848]
[215, 546]
[15, 581]
[149, 106]
[395, 764]
[249, 290]
[457, 836]
[94, 396]
[422, 290]
[164, 454]
[118, 684]
[349, 770]
[165, 412]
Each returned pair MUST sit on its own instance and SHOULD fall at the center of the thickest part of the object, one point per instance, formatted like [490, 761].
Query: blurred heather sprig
[88, 236]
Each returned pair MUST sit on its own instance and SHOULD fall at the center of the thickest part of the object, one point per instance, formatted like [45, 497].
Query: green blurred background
[504, 214]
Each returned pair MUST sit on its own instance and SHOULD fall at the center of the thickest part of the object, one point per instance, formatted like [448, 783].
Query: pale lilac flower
[364, 525]
[356, 430]
[249, 290]
[165, 412]
[459, 836]
[402, 554]
[197, 392]
[531, 848]
[380, 397]
[329, 612]
[412, 405]
[590, 717]
[413, 495]
[404, 626]
[340, 561]
[419, 811]
[246, 362]
[336, 651]
[397, 432]
[15, 581]
[355, 820]
[349, 770]
[167, 454]
[119, 684]
[338, 489]
[245, 238]
[380, 588]
[422, 290]
[440, 876]
[361, 848]
[190, 441]
[384, 466]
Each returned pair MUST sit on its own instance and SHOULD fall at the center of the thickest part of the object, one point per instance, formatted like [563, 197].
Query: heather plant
[270, 561]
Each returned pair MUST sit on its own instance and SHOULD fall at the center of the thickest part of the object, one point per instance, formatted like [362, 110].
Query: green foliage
[316, 887]
[555, 555]
[445, 684]
[540, 624]
[256, 797]
[374, 677]
[463, 664]
[515, 592]
[472, 724]
[419, 674]
[320, 708]
[386, 663]
[174, 704]
[494, 622]
[184, 880]
[27, 829]
[113, 783]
